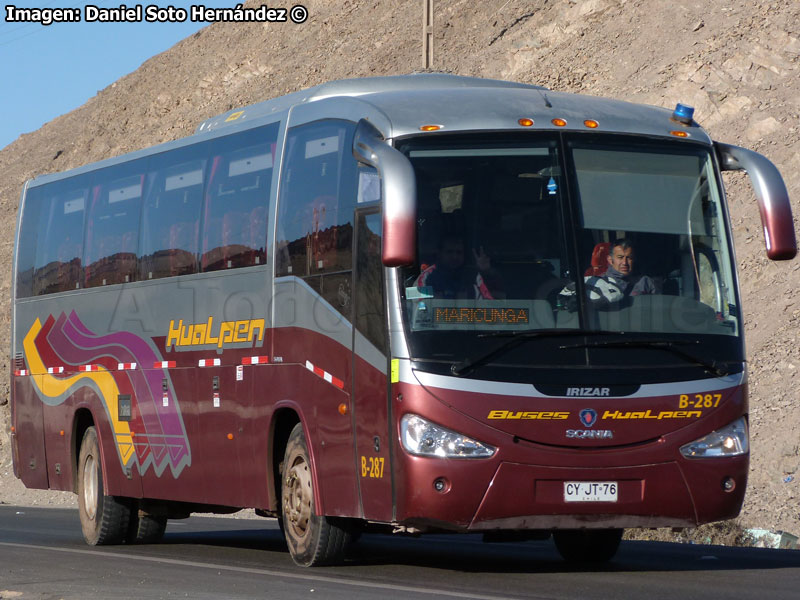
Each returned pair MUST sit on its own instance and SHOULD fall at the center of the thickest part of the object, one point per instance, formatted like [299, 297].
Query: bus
[381, 305]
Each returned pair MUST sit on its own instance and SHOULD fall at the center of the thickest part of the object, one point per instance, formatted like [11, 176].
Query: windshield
[557, 234]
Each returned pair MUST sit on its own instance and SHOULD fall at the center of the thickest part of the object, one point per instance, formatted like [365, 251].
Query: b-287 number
[372, 466]
[699, 401]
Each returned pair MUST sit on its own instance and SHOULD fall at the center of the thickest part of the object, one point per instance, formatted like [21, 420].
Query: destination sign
[481, 316]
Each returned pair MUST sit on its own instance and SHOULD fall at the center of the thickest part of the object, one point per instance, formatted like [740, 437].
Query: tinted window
[27, 241]
[662, 202]
[237, 199]
[171, 216]
[370, 318]
[112, 227]
[315, 224]
[204, 205]
[61, 211]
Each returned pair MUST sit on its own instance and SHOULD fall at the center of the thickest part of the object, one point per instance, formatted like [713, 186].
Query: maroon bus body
[520, 487]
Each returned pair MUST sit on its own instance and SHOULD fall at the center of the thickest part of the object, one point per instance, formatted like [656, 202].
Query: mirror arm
[398, 193]
[773, 198]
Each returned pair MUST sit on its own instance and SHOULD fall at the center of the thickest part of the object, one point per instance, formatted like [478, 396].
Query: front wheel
[312, 539]
[104, 519]
[587, 545]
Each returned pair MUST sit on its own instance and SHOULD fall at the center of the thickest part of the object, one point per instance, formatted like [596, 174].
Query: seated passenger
[451, 278]
[616, 284]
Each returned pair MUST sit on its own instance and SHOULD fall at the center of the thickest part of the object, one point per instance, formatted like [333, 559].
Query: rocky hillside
[736, 61]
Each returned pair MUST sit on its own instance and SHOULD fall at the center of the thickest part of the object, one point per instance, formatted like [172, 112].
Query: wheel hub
[90, 487]
[297, 497]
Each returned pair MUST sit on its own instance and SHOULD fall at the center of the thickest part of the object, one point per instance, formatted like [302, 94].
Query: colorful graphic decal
[59, 353]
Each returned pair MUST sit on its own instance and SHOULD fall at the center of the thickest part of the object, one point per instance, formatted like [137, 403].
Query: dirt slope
[736, 61]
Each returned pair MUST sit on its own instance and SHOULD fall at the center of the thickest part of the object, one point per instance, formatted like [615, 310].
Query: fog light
[728, 484]
[441, 485]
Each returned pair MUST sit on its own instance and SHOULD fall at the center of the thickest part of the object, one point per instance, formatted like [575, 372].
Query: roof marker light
[559, 122]
[591, 124]
[430, 127]
[683, 114]
[680, 134]
[525, 122]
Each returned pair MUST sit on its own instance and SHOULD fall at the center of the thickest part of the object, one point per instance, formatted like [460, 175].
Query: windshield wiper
[669, 345]
[517, 338]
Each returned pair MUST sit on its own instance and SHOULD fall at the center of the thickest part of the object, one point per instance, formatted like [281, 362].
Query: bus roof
[459, 104]
[454, 102]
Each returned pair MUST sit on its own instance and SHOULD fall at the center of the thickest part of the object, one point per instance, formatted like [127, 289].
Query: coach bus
[372, 305]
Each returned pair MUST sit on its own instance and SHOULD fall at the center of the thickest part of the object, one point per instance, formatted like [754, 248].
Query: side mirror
[773, 199]
[398, 191]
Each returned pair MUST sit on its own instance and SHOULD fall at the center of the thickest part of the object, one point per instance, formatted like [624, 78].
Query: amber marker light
[430, 127]
[343, 409]
[525, 122]
[230, 436]
[681, 134]
[591, 124]
[559, 122]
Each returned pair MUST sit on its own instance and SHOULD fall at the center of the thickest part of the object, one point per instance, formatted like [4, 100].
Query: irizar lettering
[589, 391]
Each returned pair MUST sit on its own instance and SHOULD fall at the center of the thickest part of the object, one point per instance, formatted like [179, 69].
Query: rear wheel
[587, 545]
[104, 519]
[145, 528]
[312, 539]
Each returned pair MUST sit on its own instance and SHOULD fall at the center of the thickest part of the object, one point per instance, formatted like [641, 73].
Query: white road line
[267, 572]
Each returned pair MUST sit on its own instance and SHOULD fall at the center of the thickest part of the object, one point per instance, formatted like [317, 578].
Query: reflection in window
[112, 230]
[236, 201]
[60, 234]
[370, 318]
[320, 187]
[171, 219]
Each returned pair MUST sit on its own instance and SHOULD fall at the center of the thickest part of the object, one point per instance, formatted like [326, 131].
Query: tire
[144, 528]
[104, 519]
[587, 545]
[313, 539]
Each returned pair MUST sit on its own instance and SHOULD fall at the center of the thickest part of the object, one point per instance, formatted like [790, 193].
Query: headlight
[423, 438]
[731, 440]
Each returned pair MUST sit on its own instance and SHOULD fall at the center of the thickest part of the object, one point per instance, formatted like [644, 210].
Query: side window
[315, 223]
[370, 317]
[62, 208]
[27, 240]
[170, 239]
[112, 227]
[237, 200]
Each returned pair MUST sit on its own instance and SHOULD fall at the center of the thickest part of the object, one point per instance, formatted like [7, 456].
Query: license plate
[590, 491]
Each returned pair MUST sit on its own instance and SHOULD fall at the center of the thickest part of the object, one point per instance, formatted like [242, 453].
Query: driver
[619, 280]
[451, 278]
[616, 284]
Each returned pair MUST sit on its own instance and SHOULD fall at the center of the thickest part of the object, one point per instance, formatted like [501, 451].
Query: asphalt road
[43, 556]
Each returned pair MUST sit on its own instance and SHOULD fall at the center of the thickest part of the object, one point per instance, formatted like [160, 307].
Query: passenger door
[370, 406]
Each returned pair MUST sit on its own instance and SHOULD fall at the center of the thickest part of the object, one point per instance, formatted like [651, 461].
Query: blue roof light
[683, 113]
